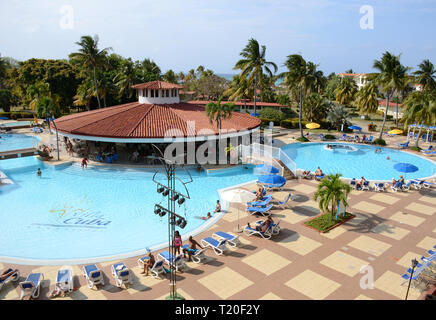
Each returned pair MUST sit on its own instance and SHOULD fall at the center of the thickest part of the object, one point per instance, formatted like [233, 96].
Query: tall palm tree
[366, 98]
[346, 92]
[330, 191]
[421, 109]
[253, 65]
[84, 94]
[91, 57]
[390, 73]
[217, 112]
[315, 107]
[303, 76]
[426, 75]
[126, 78]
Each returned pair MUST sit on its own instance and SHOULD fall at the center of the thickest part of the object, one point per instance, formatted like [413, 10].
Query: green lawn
[324, 222]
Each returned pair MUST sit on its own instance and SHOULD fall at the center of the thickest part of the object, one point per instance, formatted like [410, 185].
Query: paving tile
[362, 297]
[299, 244]
[232, 216]
[390, 231]
[369, 245]
[334, 233]
[344, 263]
[406, 260]
[292, 217]
[270, 296]
[266, 261]
[431, 200]
[313, 285]
[421, 208]
[225, 282]
[390, 283]
[381, 197]
[368, 207]
[359, 218]
[304, 188]
[427, 243]
[407, 218]
[434, 230]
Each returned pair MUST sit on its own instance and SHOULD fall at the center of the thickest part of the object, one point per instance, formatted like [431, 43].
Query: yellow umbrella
[395, 131]
[313, 125]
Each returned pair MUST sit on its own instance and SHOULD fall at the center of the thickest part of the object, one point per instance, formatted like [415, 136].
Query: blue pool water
[16, 141]
[354, 160]
[70, 213]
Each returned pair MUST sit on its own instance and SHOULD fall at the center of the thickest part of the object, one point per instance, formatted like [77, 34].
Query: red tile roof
[382, 103]
[239, 103]
[148, 121]
[157, 85]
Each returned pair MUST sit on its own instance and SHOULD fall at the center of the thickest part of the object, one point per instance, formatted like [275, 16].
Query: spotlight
[179, 222]
[160, 190]
[166, 192]
[157, 211]
[162, 214]
[181, 201]
[183, 224]
[175, 197]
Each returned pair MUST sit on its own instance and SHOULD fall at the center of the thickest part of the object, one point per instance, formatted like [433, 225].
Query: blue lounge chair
[429, 149]
[262, 210]
[407, 185]
[64, 281]
[219, 247]
[231, 239]
[343, 138]
[379, 187]
[397, 187]
[121, 274]
[109, 159]
[93, 275]
[266, 235]
[155, 269]
[198, 255]
[99, 158]
[321, 137]
[365, 185]
[265, 201]
[418, 184]
[282, 204]
[31, 286]
[176, 262]
[423, 183]
[403, 145]
[278, 186]
[318, 178]
[13, 277]
[353, 183]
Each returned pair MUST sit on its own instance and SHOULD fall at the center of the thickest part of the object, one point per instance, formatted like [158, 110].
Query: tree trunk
[419, 135]
[96, 88]
[386, 114]
[396, 119]
[300, 114]
[254, 96]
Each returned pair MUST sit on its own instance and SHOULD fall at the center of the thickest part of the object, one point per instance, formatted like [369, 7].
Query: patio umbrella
[405, 167]
[272, 179]
[313, 125]
[238, 196]
[264, 168]
[395, 131]
[355, 128]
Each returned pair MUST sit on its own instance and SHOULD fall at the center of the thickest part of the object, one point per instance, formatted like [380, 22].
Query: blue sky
[184, 34]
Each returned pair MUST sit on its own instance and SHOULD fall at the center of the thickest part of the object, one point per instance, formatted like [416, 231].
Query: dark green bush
[415, 148]
[302, 139]
[329, 137]
[380, 142]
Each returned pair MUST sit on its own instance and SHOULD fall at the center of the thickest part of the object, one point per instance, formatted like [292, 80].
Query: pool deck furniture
[266, 235]
[274, 186]
[232, 240]
[219, 247]
[262, 210]
[397, 187]
[366, 186]
[283, 204]
[275, 227]
[176, 262]
[64, 281]
[121, 274]
[319, 178]
[380, 187]
[93, 275]
[265, 201]
[308, 175]
[422, 183]
[403, 145]
[406, 187]
[353, 183]
[428, 150]
[198, 256]
[31, 287]
[12, 278]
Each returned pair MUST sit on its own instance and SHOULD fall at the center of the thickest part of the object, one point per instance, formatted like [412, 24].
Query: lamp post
[414, 264]
[174, 220]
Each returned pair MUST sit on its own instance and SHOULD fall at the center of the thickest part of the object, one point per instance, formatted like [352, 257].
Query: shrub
[266, 121]
[415, 148]
[380, 142]
[372, 127]
[302, 139]
[270, 113]
[380, 113]
[389, 117]
[329, 137]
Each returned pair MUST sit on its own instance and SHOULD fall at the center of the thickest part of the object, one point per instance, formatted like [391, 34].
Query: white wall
[159, 100]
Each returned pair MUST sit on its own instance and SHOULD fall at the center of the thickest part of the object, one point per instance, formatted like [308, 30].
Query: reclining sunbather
[264, 225]
[192, 248]
[7, 273]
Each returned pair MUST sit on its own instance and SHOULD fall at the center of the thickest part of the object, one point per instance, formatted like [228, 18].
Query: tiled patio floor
[389, 230]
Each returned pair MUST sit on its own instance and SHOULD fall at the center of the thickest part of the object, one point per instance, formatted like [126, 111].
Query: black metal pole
[414, 263]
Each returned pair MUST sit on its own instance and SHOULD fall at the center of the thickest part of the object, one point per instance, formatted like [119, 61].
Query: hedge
[265, 122]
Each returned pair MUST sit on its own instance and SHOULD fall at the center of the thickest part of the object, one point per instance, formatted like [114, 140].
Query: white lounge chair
[366, 186]
[156, 269]
[231, 239]
[176, 262]
[397, 187]
[219, 247]
[266, 235]
[12, 278]
[407, 185]
[93, 275]
[379, 187]
[121, 274]
[275, 227]
[31, 286]
[64, 281]
[198, 256]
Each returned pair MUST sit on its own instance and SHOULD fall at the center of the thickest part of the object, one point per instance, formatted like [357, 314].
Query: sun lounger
[219, 247]
[397, 187]
[13, 277]
[266, 235]
[155, 269]
[262, 210]
[321, 137]
[418, 184]
[429, 149]
[278, 186]
[319, 177]
[93, 275]
[307, 175]
[231, 239]
[176, 262]
[343, 138]
[403, 145]
[275, 227]
[365, 185]
[198, 255]
[31, 286]
[282, 204]
[265, 201]
[423, 183]
[64, 281]
[121, 274]
[407, 185]
[353, 183]
[379, 187]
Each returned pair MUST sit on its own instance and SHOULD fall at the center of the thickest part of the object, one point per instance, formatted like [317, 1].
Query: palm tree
[426, 75]
[346, 91]
[301, 75]
[170, 76]
[403, 83]
[84, 94]
[125, 79]
[36, 92]
[366, 98]
[421, 108]
[91, 57]
[330, 191]
[337, 116]
[253, 65]
[315, 107]
[390, 73]
[218, 112]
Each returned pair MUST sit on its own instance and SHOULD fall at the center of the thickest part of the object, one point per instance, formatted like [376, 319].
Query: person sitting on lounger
[149, 263]
[394, 182]
[264, 225]
[192, 248]
[6, 274]
[306, 173]
[218, 207]
[259, 194]
[318, 172]
[360, 184]
[401, 180]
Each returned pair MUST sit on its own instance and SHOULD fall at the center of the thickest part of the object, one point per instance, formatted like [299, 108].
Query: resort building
[359, 78]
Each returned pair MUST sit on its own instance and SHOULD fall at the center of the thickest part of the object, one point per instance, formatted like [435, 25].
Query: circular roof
[151, 121]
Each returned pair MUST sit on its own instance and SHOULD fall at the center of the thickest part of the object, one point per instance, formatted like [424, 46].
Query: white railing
[268, 154]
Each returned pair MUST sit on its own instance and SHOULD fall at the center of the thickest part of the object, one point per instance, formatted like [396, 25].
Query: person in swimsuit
[6, 274]
[208, 216]
[177, 241]
[39, 172]
[264, 225]
[192, 248]
[259, 194]
[149, 263]
[84, 163]
[218, 206]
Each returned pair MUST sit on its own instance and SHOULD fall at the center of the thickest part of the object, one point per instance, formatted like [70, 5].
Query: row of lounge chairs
[425, 271]
[348, 138]
[382, 186]
[264, 206]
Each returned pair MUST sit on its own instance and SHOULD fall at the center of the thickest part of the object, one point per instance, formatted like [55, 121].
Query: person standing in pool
[84, 163]
[39, 172]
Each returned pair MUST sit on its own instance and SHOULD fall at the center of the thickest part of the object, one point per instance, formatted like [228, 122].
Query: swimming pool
[16, 124]
[17, 141]
[356, 160]
[70, 215]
